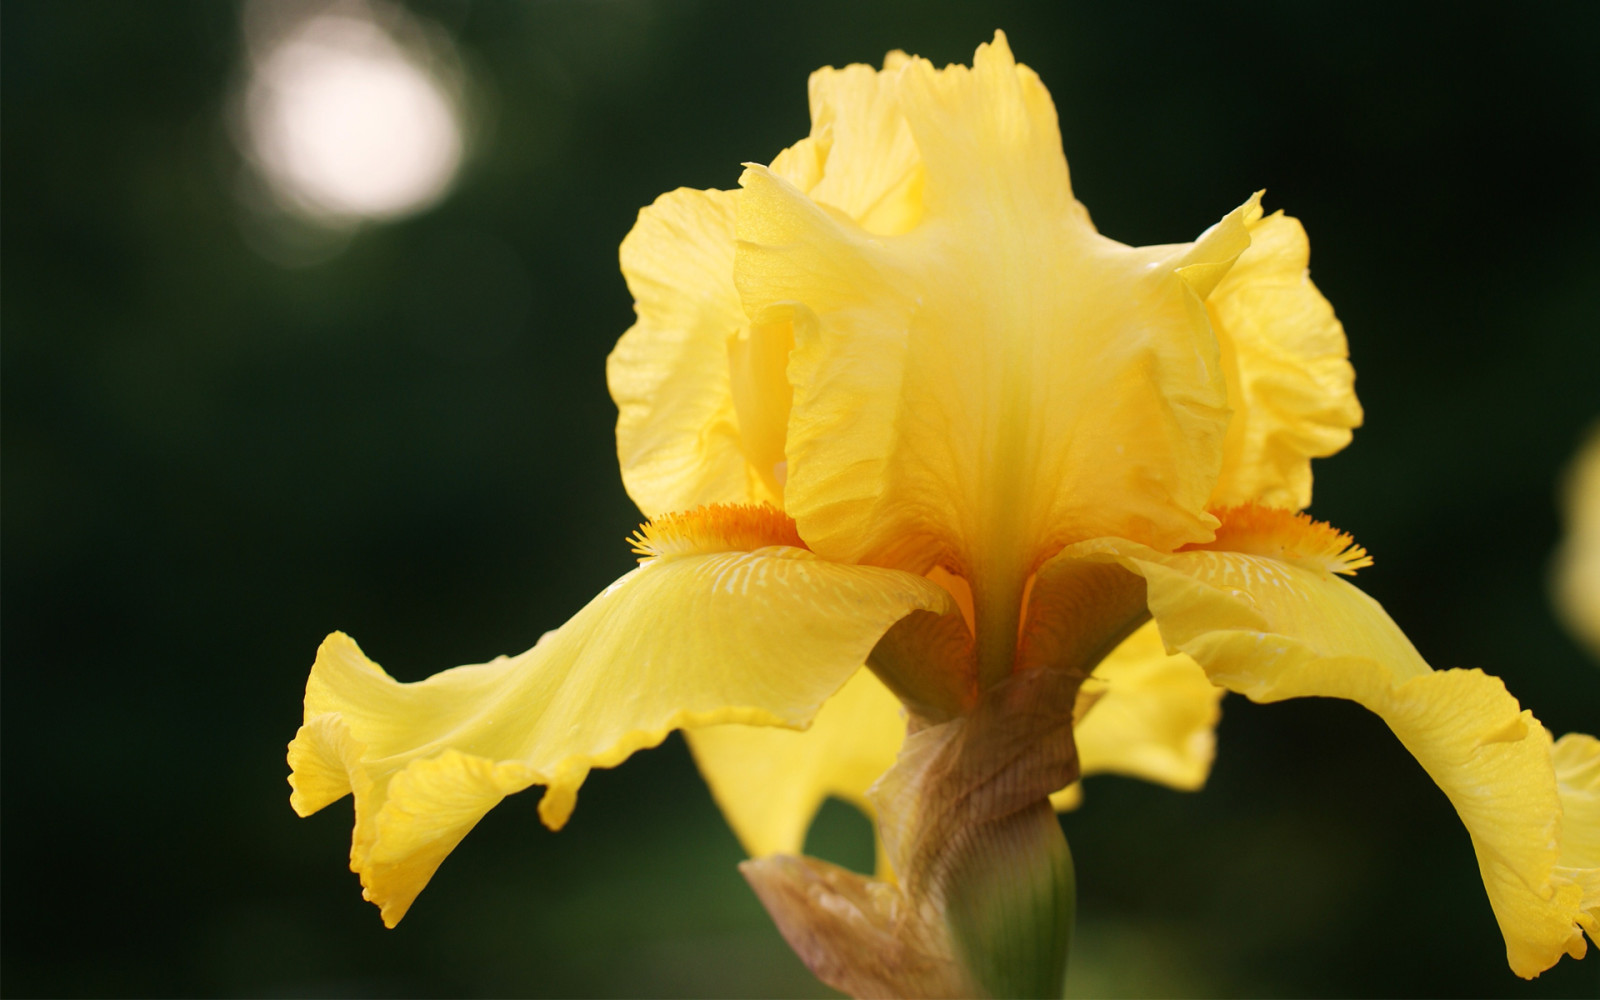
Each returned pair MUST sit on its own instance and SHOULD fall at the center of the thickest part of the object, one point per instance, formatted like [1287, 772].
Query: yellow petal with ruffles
[1000, 379]
[770, 782]
[1153, 715]
[701, 392]
[868, 166]
[678, 432]
[1290, 384]
[1275, 628]
[761, 637]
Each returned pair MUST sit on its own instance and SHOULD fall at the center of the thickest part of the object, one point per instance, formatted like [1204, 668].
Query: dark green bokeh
[212, 460]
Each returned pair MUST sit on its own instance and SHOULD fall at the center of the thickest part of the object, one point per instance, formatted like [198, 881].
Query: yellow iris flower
[896, 401]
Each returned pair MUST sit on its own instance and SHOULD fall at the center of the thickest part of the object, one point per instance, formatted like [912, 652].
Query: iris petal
[1000, 380]
[869, 167]
[761, 637]
[678, 432]
[770, 782]
[1290, 384]
[1270, 630]
[1577, 762]
[701, 393]
[1154, 715]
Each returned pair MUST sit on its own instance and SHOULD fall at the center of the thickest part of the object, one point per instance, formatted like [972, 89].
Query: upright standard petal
[868, 165]
[770, 782]
[701, 392]
[1290, 383]
[999, 380]
[679, 435]
[1268, 618]
[707, 633]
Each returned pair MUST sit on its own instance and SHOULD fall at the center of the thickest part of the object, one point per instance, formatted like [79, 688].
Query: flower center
[1288, 535]
[717, 527]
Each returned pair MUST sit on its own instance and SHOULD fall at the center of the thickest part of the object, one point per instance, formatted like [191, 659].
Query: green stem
[1011, 902]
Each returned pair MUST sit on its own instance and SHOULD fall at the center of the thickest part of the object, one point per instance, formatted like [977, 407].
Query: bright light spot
[344, 122]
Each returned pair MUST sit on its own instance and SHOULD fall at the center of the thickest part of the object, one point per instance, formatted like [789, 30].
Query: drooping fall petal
[770, 782]
[699, 638]
[1274, 622]
[1290, 384]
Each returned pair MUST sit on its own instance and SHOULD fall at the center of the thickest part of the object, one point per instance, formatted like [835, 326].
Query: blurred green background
[226, 435]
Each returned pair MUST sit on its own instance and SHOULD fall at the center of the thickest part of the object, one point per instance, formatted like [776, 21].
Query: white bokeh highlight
[345, 124]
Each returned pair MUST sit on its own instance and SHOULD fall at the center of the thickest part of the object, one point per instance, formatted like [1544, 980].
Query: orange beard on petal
[1288, 535]
[717, 527]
